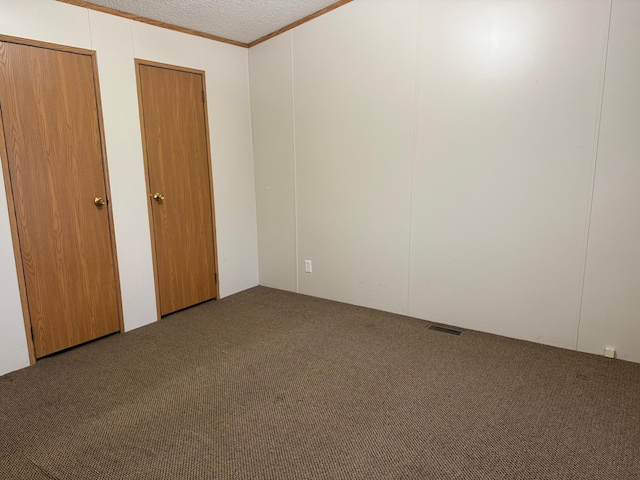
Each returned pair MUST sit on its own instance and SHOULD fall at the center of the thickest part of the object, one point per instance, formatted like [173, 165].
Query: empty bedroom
[320, 239]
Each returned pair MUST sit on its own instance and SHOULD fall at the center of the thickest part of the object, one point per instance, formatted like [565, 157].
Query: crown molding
[137, 18]
[169, 26]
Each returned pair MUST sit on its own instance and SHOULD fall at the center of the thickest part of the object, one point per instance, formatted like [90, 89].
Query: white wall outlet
[610, 352]
[307, 266]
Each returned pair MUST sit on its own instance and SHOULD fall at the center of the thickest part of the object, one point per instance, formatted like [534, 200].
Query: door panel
[51, 130]
[175, 135]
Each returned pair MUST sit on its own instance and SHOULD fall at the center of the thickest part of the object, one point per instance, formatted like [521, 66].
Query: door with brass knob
[174, 128]
[54, 154]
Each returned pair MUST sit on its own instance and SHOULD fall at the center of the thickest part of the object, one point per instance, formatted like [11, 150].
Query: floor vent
[450, 331]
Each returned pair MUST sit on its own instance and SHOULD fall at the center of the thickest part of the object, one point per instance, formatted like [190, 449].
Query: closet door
[56, 181]
[174, 126]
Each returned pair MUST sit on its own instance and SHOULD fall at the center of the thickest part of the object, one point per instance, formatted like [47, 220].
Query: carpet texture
[272, 385]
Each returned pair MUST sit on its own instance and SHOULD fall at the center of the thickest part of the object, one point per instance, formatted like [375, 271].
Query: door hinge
[215, 275]
[203, 100]
[31, 327]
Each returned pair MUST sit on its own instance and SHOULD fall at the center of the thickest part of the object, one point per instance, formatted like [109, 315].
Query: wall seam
[295, 164]
[596, 148]
[253, 164]
[90, 30]
[414, 148]
[133, 43]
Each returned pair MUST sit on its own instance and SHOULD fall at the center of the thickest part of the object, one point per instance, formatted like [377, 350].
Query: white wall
[445, 155]
[117, 42]
[508, 109]
[272, 111]
[354, 104]
[611, 305]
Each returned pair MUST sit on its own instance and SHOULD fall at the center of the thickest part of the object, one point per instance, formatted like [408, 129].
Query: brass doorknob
[158, 197]
[99, 202]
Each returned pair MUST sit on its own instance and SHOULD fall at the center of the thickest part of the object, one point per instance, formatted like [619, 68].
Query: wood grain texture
[157, 23]
[177, 157]
[150, 205]
[51, 46]
[299, 22]
[55, 165]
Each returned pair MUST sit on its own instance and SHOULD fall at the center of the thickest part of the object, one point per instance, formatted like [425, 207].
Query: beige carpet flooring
[272, 385]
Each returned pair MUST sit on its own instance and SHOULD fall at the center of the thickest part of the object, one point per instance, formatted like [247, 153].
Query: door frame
[148, 63]
[13, 221]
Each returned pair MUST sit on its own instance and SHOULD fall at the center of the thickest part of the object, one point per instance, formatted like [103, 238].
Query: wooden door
[54, 164]
[175, 133]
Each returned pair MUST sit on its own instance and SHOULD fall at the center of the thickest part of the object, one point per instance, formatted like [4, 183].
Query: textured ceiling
[239, 20]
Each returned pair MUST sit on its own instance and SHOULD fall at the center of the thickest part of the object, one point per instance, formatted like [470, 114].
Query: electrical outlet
[307, 266]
